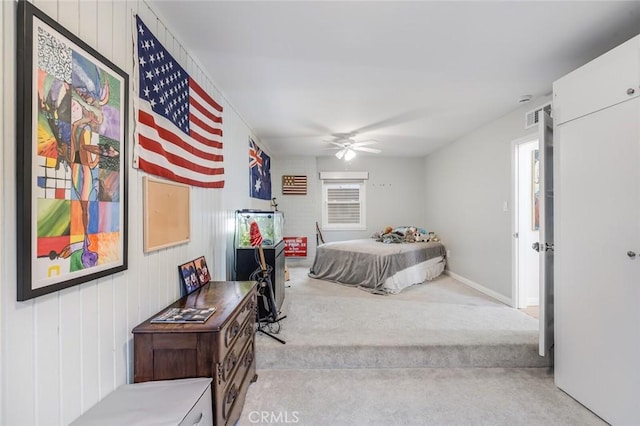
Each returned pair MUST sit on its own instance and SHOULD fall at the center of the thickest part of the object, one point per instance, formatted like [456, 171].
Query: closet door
[610, 79]
[597, 281]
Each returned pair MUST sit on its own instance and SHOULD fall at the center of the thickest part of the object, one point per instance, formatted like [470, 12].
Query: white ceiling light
[348, 156]
[340, 154]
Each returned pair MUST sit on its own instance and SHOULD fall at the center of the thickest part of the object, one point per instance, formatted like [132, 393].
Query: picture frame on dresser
[204, 276]
[71, 180]
[189, 277]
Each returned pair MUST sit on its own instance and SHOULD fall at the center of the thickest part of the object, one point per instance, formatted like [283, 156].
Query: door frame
[515, 249]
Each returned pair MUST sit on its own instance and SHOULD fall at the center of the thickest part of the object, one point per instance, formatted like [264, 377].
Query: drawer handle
[248, 359]
[232, 332]
[248, 330]
[197, 422]
[231, 362]
[232, 395]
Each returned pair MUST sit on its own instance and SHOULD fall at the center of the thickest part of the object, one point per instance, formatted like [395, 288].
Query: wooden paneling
[63, 352]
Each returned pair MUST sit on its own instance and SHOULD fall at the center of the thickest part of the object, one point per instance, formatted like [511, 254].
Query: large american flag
[179, 126]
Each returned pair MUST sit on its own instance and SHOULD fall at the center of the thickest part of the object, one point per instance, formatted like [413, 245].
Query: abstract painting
[71, 159]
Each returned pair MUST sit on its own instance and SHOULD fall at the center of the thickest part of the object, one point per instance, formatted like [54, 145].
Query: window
[343, 205]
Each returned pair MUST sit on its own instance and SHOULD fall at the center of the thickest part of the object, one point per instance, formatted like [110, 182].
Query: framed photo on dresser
[189, 277]
[203, 271]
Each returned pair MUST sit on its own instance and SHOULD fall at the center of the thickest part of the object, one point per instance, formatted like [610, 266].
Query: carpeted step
[292, 356]
[416, 396]
[442, 323]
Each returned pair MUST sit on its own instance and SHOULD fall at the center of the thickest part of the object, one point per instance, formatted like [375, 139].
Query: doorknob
[631, 91]
[536, 246]
[631, 254]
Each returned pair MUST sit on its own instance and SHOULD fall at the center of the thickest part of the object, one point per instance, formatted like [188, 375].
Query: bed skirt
[416, 274]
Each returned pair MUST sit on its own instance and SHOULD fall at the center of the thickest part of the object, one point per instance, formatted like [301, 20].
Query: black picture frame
[71, 159]
[189, 277]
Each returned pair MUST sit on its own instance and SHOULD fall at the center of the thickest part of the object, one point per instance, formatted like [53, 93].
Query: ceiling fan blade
[365, 142]
[365, 149]
[402, 118]
[344, 135]
[341, 145]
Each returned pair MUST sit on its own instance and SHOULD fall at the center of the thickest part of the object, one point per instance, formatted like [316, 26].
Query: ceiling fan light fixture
[340, 154]
[349, 155]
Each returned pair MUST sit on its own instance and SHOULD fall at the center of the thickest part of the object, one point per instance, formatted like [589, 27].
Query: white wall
[466, 185]
[394, 196]
[61, 353]
[301, 212]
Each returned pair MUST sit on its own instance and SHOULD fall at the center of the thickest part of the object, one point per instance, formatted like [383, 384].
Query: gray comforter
[368, 263]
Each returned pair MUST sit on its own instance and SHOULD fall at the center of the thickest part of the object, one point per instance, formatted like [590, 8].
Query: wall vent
[531, 118]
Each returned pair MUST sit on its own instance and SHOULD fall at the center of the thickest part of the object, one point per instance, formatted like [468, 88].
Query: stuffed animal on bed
[421, 238]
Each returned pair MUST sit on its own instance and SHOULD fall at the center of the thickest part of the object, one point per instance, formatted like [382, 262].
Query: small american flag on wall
[294, 185]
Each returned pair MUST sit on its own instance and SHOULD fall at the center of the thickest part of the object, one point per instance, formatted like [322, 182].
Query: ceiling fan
[347, 146]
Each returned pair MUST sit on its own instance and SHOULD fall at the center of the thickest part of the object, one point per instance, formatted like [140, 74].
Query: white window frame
[336, 184]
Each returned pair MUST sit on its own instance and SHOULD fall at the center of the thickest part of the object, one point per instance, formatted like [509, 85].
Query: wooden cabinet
[222, 348]
[597, 235]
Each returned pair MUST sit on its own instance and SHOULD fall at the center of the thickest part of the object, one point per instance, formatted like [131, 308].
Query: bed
[376, 266]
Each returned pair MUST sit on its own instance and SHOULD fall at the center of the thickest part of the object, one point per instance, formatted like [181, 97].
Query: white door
[526, 222]
[597, 283]
[545, 248]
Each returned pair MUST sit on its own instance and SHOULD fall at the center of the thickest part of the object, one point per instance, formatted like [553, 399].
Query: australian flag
[259, 172]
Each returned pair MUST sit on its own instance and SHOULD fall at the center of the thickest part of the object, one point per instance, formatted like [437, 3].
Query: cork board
[167, 213]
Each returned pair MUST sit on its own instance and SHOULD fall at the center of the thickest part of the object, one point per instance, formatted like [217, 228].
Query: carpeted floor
[416, 358]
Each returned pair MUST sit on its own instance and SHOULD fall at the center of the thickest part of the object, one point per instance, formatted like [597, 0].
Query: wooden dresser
[221, 348]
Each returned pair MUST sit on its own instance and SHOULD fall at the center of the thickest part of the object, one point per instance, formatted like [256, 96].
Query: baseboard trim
[491, 293]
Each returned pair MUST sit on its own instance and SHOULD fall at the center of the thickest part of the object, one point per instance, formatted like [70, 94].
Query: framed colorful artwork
[71, 159]
[203, 271]
[189, 277]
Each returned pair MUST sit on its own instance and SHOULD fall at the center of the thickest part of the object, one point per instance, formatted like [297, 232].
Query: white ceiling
[411, 75]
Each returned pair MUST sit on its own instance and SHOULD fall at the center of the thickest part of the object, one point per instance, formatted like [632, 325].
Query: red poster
[295, 246]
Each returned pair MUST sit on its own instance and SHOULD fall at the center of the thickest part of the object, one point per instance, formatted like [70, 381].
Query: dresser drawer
[235, 328]
[233, 357]
[233, 393]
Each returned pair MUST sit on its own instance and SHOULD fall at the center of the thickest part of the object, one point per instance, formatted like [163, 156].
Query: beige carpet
[443, 323]
[417, 358]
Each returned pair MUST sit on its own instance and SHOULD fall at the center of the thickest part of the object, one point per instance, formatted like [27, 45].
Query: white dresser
[180, 402]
